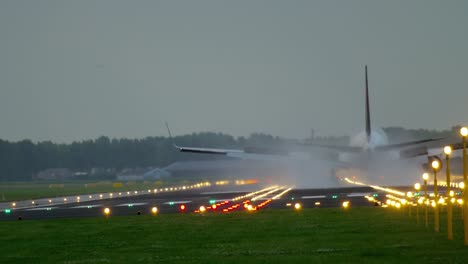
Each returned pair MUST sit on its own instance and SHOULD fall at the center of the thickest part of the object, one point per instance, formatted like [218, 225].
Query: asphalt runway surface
[215, 199]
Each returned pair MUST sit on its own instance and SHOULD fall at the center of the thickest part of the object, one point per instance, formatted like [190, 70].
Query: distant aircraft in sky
[367, 147]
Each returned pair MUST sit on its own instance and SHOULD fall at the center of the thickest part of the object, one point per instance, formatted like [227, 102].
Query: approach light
[425, 176]
[435, 164]
[202, 209]
[409, 194]
[13, 204]
[154, 210]
[451, 193]
[447, 150]
[297, 206]
[417, 186]
[345, 204]
[464, 131]
[214, 206]
[461, 185]
[106, 211]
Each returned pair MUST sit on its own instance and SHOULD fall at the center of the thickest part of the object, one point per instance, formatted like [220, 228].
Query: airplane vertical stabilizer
[368, 125]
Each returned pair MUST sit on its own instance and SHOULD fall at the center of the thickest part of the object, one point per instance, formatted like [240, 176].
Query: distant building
[140, 174]
[55, 174]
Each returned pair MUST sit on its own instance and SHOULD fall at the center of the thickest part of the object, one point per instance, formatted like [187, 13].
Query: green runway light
[48, 208]
[130, 205]
[171, 203]
[89, 207]
[7, 211]
[334, 196]
[212, 201]
[375, 195]
[292, 198]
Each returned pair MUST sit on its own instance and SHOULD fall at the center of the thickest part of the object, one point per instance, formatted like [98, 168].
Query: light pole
[464, 134]
[448, 151]
[435, 167]
[409, 203]
[461, 185]
[417, 187]
[426, 196]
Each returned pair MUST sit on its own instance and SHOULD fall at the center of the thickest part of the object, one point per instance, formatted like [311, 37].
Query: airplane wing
[404, 144]
[382, 148]
[257, 153]
[209, 150]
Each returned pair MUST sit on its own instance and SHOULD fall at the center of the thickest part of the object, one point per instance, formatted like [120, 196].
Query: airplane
[367, 147]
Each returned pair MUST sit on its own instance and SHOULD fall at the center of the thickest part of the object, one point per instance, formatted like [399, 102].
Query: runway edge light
[107, 211]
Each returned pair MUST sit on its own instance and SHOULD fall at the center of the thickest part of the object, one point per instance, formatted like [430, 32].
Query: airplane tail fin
[368, 124]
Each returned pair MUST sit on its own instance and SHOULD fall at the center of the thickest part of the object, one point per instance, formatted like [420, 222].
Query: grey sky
[73, 70]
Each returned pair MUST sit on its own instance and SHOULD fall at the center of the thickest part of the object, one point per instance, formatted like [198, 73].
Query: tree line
[20, 161]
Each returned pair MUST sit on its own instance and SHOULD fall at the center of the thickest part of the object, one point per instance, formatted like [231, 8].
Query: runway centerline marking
[41, 209]
[177, 202]
[314, 197]
[358, 194]
[87, 206]
[131, 204]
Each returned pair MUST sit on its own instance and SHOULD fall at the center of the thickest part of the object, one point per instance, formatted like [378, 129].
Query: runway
[214, 199]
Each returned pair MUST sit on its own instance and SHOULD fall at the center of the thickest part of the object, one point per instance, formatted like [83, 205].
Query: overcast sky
[74, 70]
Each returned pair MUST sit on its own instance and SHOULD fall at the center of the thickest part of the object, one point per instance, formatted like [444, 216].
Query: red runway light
[182, 207]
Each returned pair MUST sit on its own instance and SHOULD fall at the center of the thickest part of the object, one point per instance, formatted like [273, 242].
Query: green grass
[358, 235]
[16, 191]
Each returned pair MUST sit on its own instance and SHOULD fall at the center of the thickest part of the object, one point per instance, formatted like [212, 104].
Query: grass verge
[357, 235]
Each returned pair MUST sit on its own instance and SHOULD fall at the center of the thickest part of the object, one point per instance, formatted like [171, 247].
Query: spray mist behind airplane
[369, 146]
